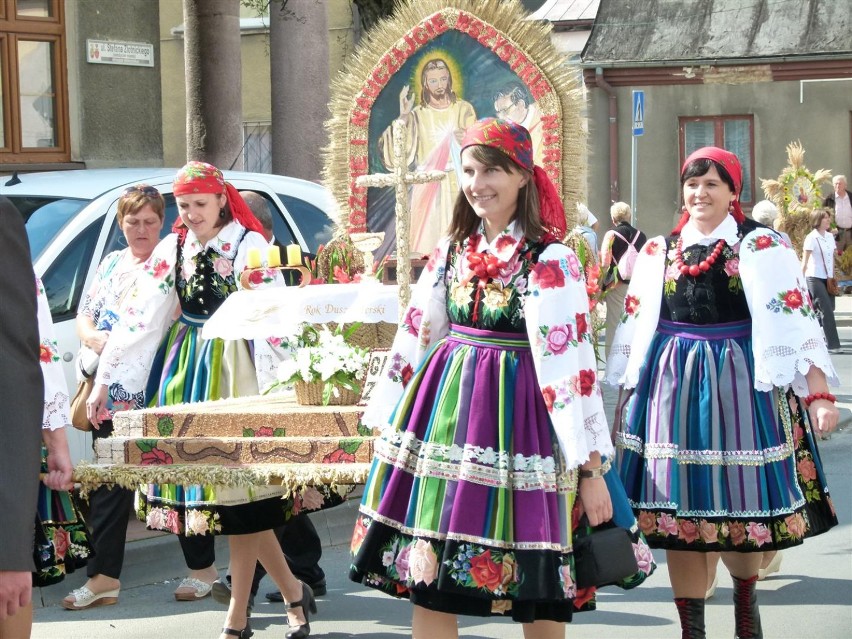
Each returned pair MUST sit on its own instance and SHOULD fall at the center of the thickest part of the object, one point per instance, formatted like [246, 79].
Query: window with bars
[257, 147]
[33, 86]
[732, 132]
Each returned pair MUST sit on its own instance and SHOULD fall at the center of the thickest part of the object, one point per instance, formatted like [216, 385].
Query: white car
[71, 224]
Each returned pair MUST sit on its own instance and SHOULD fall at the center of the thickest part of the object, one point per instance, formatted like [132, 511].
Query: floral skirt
[468, 505]
[710, 464]
[62, 543]
[187, 369]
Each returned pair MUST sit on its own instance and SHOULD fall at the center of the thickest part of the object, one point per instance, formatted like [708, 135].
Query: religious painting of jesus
[439, 92]
[419, 80]
[434, 128]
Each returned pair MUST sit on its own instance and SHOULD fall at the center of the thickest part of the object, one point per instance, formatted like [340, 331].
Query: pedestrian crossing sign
[638, 113]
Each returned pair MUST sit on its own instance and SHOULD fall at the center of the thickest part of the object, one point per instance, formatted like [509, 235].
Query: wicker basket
[310, 394]
[368, 335]
[385, 333]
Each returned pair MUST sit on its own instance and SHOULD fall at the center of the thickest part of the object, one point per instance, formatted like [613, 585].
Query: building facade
[751, 78]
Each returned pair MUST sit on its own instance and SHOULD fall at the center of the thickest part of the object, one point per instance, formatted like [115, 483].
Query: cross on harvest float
[401, 179]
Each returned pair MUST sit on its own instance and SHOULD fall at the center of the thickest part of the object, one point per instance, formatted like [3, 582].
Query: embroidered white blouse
[150, 308]
[787, 339]
[567, 376]
[57, 408]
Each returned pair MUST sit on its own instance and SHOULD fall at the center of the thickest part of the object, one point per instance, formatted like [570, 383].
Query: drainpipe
[613, 134]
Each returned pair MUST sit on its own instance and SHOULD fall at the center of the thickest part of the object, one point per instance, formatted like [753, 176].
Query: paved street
[811, 595]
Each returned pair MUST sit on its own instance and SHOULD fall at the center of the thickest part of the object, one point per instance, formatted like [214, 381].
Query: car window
[66, 276]
[116, 240]
[315, 225]
[45, 217]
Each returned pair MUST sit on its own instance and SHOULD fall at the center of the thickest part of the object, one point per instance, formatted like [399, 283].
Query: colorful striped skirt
[710, 464]
[186, 369]
[467, 508]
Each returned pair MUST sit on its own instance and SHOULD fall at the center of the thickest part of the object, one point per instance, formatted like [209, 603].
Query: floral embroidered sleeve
[789, 340]
[640, 315]
[148, 312]
[556, 309]
[424, 323]
[93, 301]
[56, 401]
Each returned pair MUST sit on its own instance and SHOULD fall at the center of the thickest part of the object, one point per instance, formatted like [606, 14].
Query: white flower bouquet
[324, 358]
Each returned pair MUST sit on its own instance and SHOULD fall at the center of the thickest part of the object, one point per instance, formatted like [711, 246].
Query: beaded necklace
[703, 266]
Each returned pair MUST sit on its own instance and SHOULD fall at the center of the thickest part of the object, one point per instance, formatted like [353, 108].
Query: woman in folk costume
[491, 411]
[718, 453]
[195, 269]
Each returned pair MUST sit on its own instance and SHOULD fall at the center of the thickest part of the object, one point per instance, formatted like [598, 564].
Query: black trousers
[199, 551]
[109, 511]
[302, 550]
[825, 303]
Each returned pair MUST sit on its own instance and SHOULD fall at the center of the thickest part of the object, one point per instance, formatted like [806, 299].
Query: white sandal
[199, 589]
[85, 598]
[774, 566]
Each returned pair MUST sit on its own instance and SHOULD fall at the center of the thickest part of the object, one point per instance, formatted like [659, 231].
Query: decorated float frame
[485, 33]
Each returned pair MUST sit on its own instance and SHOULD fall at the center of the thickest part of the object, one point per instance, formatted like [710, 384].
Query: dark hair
[225, 215]
[696, 168]
[701, 166]
[515, 91]
[465, 221]
[260, 207]
[437, 64]
[818, 215]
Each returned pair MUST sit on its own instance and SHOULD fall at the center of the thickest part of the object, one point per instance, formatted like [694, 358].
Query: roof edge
[692, 62]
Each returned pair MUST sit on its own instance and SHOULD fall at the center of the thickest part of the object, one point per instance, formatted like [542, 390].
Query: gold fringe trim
[508, 17]
[293, 477]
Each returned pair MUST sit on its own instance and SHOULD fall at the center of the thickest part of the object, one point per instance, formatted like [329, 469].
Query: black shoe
[221, 593]
[308, 606]
[245, 633]
[319, 589]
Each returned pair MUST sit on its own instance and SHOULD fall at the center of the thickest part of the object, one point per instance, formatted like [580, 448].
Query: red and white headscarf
[201, 177]
[514, 141]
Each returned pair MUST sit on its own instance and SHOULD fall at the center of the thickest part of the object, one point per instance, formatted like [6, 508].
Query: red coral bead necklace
[703, 266]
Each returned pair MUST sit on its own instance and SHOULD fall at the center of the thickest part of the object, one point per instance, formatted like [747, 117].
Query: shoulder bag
[79, 419]
[830, 282]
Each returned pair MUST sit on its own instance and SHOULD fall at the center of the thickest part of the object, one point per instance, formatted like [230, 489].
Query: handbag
[603, 555]
[830, 282]
[79, 418]
[832, 286]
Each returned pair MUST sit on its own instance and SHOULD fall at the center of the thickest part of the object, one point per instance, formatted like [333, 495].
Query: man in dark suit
[21, 408]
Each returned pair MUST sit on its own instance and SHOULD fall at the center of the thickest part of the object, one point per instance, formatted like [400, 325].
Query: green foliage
[165, 426]
[372, 11]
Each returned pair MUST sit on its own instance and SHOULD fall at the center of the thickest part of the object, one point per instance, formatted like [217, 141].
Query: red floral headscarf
[731, 164]
[201, 177]
[514, 140]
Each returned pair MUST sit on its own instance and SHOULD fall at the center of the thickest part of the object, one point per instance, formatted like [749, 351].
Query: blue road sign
[638, 113]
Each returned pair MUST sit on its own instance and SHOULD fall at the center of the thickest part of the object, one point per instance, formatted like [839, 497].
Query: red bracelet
[814, 396]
